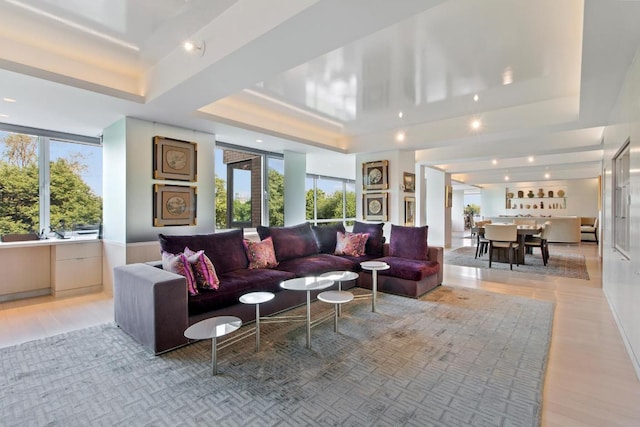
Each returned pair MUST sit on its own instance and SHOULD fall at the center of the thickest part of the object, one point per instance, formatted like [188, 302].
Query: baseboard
[634, 360]
[27, 294]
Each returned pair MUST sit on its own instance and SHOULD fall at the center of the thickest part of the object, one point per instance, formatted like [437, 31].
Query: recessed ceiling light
[506, 177]
[476, 97]
[494, 162]
[8, 100]
[475, 124]
[4, 115]
[192, 47]
[400, 136]
[530, 159]
[400, 114]
[546, 175]
[258, 140]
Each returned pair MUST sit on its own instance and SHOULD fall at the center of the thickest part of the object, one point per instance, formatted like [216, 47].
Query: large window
[330, 199]
[621, 202]
[49, 183]
[249, 188]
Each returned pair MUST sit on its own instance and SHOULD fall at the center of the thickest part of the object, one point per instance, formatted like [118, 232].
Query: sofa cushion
[409, 242]
[314, 265]
[290, 242]
[409, 269]
[235, 284]
[376, 236]
[351, 243]
[225, 250]
[203, 270]
[326, 236]
[179, 264]
[261, 254]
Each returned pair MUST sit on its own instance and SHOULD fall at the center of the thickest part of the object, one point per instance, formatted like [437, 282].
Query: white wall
[621, 276]
[581, 197]
[336, 165]
[438, 217]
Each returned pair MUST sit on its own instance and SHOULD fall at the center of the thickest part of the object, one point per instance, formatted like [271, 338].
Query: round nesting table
[340, 276]
[257, 298]
[337, 298]
[213, 328]
[374, 267]
[307, 284]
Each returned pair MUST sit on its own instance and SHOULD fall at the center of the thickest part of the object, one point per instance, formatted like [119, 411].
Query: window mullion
[44, 182]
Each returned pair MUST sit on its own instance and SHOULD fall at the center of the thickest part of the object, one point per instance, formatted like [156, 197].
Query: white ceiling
[310, 75]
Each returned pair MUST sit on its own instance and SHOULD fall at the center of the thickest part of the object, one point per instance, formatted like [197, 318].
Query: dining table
[523, 232]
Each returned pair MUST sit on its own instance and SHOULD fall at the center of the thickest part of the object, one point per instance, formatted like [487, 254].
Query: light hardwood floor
[590, 380]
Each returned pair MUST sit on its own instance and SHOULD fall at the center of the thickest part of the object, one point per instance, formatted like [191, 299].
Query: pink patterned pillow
[261, 254]
[203, 270]
[179, 264]
[351, 244]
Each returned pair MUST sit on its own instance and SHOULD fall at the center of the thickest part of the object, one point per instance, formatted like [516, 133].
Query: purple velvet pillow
[376, 236]
[409, 242]
[225, 250]
[326, 236]
[290, 242]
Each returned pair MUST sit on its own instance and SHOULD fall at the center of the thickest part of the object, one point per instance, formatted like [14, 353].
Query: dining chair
[482, 244]
[589, 225]
[541, 241]
[503, 236]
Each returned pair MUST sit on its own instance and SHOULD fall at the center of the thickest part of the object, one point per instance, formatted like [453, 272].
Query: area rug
[564, 265]
[455, 357]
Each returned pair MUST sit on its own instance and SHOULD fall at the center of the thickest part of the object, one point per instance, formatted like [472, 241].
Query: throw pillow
[376, 236]
[409, 242]
[261, 254]
[351, 244]
[179, 264]
[203, 269]
[296, 241]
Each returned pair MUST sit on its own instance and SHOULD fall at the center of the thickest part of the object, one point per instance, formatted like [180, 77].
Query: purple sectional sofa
[154, 306]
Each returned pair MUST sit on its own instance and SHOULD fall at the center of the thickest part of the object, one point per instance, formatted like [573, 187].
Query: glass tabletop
[306, 283]
[213, 327]
[340, 276]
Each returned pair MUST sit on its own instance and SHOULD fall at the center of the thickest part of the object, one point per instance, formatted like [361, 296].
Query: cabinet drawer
[78, 250]
[77, 273]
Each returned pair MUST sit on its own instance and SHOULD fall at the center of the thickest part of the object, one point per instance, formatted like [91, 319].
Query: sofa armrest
[150, 304]
[436, 253]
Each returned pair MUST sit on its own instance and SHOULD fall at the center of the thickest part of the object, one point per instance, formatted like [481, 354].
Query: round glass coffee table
[337, 298]
[213, 328]
[374, 267]
[307, 284]
[257, 298]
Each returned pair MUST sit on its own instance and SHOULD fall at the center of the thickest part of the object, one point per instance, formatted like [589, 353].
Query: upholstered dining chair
[541, 241]
[524, 221]
[504, 236]
[589, 225]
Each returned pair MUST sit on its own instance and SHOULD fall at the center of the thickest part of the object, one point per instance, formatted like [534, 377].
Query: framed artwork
[374, 206]
[448, 196]
[174, 205]
[174, 159]
[409, 211]
[409, 182]
[375, 175]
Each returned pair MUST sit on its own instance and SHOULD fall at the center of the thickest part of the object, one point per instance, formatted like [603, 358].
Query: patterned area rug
[455, 357]
[564, 265]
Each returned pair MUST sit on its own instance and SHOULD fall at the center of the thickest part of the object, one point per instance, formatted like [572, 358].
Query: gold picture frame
[375, 206]
[375, 175]
[409, 211]
[409, 182]
[174, 159]
[174, 205]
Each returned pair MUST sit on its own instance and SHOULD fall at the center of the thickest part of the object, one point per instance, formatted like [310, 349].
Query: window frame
[621, 199]
[315, 220]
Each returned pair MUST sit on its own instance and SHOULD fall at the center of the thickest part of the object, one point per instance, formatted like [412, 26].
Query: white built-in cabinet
[76, 268]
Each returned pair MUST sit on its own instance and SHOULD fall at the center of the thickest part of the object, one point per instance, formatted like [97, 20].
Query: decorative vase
[540, 192]
[560, 193]
[530, 194]
[520, 194]
[510, 195]
[550, 193]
